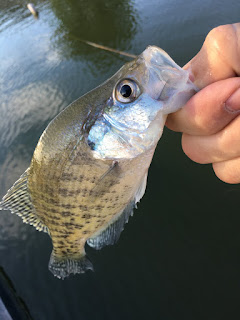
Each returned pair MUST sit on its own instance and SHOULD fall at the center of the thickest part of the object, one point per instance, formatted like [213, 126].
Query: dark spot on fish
[111, 183]
[50, 191]
[63, 231]
[85, 191]
[61, 242]
[83, 208]
[63, 192]
[54, 210]
[75, 252]
[68, 193]
[64, 252]
[66, 176]
[51, 201]
[100, 224]
[71, 193]
[68, 206]
[81, 178]
[86, 216]
[67, 214]
[99, 207]
[69, 225]
[53, 222]
[86, 231]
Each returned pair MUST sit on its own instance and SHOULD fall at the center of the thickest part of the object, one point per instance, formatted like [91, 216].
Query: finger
[228, 171]
[225, 145]
[209, 110]
[218, 58]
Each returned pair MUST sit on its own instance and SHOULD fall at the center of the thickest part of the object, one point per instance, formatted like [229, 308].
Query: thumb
[209, 110]
[218, 58]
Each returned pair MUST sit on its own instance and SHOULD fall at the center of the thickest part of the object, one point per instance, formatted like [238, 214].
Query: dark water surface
[179, 256]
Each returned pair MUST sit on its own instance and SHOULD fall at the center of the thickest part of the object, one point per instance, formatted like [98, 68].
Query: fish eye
[127, 91]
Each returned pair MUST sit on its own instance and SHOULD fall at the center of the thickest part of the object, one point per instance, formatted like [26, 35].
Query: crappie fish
[90, 166]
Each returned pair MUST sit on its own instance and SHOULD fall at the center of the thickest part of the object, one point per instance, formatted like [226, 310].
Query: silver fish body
[90, 166]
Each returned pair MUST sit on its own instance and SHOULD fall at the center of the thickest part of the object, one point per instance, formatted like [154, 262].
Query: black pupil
[126, 91]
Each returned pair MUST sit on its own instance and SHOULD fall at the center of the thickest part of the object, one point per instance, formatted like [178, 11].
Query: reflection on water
[181, 249]
[109, 22]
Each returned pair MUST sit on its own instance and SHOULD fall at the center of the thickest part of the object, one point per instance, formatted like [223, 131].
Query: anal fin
[18, 201]
[111, 234]
[64, 266]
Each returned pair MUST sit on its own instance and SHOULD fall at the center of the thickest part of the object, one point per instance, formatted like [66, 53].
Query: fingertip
[228, 171]
[191, 149]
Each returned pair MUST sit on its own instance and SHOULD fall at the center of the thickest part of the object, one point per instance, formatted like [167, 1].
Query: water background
[179, 256]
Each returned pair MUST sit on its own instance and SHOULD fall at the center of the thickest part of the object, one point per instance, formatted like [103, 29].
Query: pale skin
[210, 121]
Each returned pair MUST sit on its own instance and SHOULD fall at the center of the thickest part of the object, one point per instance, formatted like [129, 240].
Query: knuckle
[219, 33]
[221, 37]
[205, 125]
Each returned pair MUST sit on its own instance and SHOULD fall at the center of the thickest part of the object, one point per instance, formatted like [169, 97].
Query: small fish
[90, 166]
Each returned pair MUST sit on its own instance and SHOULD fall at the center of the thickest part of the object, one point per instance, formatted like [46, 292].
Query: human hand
[210, 121]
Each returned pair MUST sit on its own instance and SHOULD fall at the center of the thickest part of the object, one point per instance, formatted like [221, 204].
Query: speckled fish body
[90, 166]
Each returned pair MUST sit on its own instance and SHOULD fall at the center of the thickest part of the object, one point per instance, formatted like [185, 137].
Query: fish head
[146, 90]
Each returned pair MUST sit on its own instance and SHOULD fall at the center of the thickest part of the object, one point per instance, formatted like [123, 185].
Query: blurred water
[178, 257]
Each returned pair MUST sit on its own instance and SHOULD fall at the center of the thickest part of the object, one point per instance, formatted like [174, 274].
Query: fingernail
[233, 102]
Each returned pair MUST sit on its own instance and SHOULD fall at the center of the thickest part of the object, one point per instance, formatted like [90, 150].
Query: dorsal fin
[18, 201]
[111, 233]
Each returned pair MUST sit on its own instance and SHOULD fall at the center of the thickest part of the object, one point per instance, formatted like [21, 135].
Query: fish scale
[90, 166]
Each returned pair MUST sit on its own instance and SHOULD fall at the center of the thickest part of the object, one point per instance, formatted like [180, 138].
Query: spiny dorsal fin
[111, 233]
[18, 201]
